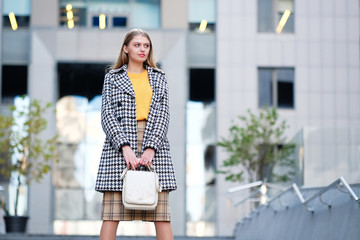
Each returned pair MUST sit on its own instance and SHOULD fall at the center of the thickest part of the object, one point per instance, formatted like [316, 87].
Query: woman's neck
[135, 67]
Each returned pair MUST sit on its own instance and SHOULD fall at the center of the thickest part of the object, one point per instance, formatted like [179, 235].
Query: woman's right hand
[130, 157]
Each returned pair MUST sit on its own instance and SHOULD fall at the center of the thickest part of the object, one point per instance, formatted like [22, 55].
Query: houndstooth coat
[118, 119]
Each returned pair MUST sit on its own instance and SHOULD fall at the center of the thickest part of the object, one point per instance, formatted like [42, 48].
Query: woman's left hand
[147, 157]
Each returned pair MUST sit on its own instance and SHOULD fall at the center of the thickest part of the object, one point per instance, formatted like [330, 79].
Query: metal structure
[340, 183]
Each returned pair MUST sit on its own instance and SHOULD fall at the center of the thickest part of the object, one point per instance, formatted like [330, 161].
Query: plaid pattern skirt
[113, 209]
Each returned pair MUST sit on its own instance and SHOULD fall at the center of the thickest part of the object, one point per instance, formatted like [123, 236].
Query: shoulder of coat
[118, 70]
[159, 71]
[151, 69]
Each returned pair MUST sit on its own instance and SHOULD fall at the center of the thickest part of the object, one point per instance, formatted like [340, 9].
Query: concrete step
[77, 237]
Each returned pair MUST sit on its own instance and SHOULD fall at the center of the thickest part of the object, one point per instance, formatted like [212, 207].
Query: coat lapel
[122, 81]
[154, 83]
[151, 80]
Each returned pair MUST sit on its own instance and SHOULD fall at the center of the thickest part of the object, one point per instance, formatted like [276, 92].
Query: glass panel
[80, 144]
[265, 16]
[285, 85]
[200, 10]
[319, 151]
[137, 13]
[289, 26]
[271, 11]
[201, 165]
[96, 21]
[146, 14]
[71, 128]
[119, 21]
[265, 87]
[21, 9]
[202, 84]
[285, 95]
[285, 74]
[69, 204]
[14, 82]
[282, 6]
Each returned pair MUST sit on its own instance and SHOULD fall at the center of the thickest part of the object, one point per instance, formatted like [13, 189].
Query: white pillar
[42, 86]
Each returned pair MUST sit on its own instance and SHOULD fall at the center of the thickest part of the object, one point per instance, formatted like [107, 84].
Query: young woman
[135, 119]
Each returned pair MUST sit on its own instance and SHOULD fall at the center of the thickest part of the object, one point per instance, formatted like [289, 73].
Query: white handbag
[140, 189]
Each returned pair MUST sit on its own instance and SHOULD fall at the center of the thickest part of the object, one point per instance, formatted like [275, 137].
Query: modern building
[221, 59]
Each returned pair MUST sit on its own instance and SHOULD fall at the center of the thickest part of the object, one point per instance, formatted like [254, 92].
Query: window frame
[274, 93]
[89, 14]
[274, 15]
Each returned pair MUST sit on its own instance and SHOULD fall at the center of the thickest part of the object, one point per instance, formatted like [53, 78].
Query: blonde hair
[124, 58]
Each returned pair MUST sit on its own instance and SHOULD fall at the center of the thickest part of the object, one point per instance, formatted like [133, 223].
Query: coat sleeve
[109, 122]
[161, 119]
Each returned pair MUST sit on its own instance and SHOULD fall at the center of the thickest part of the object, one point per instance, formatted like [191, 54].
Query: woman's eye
[136, 44]
[146, 45]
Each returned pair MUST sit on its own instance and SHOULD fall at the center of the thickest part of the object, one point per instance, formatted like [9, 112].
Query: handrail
[252, 194]
[254, 184]
[243, 187]
[297, 191]
[318, 194]
[280, 194]
[245, 199]
[334, 184]
[352, 193]
[294, 187]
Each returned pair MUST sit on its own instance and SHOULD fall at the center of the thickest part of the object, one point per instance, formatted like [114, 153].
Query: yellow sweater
[143, 93]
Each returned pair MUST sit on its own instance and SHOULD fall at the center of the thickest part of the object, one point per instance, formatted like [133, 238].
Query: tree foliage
[257, 144]
[22, 149]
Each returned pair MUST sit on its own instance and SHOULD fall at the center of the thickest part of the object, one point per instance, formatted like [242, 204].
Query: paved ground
[59, 237]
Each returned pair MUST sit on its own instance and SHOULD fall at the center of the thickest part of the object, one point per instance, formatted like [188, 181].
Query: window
[200, 154]
[82, 79]
[73, 15]
[119, 13]
[276, 87]
[119, 21]
[79, 146]
[99, 21]
[16, 14]
[202, 15]
[14, 82]
[202, 84]
[276, 16]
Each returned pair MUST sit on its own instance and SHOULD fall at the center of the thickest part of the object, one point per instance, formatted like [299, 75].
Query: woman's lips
[142, 55]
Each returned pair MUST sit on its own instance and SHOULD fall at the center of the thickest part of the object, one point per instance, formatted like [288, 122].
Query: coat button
[119, 119]
[119, 104]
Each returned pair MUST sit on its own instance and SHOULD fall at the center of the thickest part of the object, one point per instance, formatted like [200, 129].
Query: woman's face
[138, 49]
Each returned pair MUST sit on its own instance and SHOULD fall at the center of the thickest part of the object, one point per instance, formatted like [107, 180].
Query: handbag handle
[151, 169]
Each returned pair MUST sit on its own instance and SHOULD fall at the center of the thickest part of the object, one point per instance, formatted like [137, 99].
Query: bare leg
[163, 231]
[108, 230]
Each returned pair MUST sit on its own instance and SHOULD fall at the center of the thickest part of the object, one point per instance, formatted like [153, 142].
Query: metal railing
[339, 183]
[254, 193]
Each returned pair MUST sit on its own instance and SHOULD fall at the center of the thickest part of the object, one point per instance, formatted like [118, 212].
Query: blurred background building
[221, 58]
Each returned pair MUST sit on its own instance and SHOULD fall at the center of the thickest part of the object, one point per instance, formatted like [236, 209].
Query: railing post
[352, 193]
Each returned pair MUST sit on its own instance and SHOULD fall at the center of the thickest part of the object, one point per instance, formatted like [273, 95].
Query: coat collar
[122, 80]
[123, 68]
